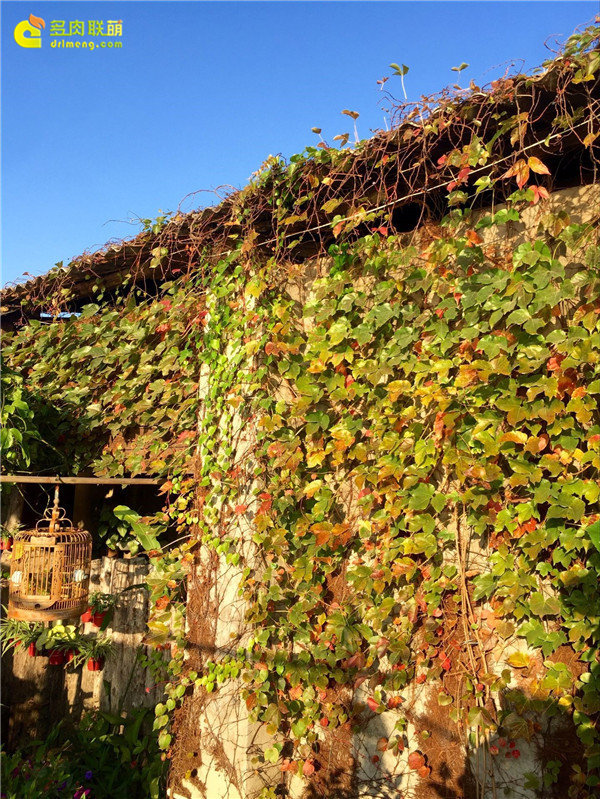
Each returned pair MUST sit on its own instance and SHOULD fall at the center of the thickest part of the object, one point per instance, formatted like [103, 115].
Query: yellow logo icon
[28, 33]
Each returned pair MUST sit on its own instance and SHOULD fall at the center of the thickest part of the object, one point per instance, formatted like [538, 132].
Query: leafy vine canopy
[407, 424]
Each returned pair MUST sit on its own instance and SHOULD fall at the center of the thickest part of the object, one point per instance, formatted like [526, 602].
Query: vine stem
[469, 626]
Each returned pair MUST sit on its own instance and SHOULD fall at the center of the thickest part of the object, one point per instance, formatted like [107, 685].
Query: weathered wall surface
[215, 743]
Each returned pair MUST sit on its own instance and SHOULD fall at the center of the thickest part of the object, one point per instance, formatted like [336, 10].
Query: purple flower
[89, 775]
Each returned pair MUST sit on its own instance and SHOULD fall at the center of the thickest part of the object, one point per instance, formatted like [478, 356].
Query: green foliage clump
[106, 757]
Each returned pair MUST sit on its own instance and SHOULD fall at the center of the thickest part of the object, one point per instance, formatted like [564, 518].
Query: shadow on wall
[532, 757]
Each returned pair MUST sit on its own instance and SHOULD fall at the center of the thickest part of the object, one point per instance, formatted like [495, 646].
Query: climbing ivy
[415, 447]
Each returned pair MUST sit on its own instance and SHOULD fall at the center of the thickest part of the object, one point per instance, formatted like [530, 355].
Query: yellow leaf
[537, 166]
[514, 436]
[312, 488]
[519, 660]
[315, 458]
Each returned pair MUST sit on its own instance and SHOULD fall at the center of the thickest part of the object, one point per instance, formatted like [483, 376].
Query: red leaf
[416, 760]
[239, 509]
[372, 703]
[539, 192]
[308, 768]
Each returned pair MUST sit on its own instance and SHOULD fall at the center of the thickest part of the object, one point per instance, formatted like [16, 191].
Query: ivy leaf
[271, 754]
[594, 533]
[519, 660]
[537, 166]
[520, 171]
[420, 496]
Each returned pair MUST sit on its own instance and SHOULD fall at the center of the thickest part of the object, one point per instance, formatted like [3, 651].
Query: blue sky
[201, 93]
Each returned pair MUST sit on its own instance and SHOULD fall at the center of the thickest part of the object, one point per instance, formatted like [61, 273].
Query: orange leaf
[520, 170]
[473, 237]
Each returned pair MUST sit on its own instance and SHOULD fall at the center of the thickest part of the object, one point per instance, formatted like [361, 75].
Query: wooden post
[13, 510]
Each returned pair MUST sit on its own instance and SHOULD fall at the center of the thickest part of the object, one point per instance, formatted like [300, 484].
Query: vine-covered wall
[394, 453]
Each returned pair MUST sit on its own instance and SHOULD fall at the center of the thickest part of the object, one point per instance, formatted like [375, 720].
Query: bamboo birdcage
[50, 570]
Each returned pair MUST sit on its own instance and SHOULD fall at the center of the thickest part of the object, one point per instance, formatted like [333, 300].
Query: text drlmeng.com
[79, 44]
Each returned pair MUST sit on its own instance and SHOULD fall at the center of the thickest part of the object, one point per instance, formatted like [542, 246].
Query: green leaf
[399, 70]
[593, 532]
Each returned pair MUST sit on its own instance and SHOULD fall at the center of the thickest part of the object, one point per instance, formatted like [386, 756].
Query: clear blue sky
[201, 93]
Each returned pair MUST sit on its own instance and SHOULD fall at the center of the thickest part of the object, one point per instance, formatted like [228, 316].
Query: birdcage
[50, 570]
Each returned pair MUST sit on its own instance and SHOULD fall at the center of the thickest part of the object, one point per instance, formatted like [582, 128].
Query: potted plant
[94, 650]
[57, 641]
[19, 633]
[6, 540]
[100, 605]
